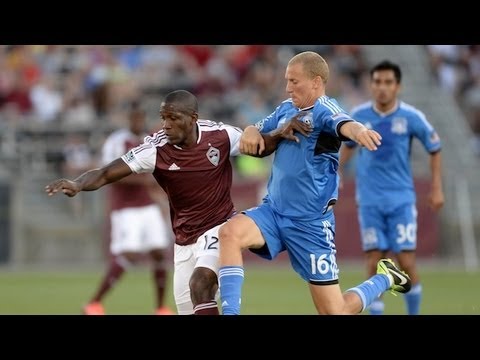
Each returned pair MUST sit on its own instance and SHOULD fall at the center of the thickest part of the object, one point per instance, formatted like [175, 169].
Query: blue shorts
[388, 228]
[310, 244]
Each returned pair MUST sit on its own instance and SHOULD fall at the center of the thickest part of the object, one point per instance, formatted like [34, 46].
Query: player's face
[300, 87]
[137, 123]
[179, 125]
[384, 87]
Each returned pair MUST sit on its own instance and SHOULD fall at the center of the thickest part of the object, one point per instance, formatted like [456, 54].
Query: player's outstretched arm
[90, 180]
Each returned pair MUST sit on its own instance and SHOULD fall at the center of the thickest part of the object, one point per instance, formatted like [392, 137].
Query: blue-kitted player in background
[385, 190]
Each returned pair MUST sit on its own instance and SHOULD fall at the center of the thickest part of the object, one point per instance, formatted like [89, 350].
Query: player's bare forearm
[436, 197]
[436, 169]
[271, 143]
[90, 180]
[360, 134]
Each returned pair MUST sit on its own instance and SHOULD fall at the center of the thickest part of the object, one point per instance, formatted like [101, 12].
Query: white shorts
[204, 253]
[138, 229]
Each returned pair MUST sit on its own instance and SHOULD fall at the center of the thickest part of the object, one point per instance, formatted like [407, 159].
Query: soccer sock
[160, 279]
[371, 289]
[231, 281]
[377, 307]
[208, 308]
[413, 299]
[115, 271]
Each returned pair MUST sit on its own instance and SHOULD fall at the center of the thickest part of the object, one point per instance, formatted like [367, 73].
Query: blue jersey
[385, 175]
[304, 181]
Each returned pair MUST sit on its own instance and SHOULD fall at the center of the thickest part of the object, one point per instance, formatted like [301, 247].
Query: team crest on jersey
[308, 119]
[399, 125]
[213, 155]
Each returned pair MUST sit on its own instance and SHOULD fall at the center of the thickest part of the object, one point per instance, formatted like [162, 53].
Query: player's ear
[317, 80]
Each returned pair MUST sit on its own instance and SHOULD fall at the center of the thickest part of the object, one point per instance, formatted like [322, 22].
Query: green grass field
[267, 290]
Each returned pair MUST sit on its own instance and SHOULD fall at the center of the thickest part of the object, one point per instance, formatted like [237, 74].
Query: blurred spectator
[77, 158]
[88, 86]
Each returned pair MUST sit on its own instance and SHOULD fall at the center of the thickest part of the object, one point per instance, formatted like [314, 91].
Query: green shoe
[399, 280]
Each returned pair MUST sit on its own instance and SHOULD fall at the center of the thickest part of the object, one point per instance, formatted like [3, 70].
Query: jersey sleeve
[269, 123]
[424, 131]
[234, 134]
[333, 117]
[142, 159]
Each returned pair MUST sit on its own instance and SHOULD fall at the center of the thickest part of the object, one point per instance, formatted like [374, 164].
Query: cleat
[94, 308]
[399, 280]
[164, 310]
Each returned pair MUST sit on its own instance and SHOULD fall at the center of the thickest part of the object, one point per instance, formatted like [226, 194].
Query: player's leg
[255, 230]
[157, 240]
[125, 241]
[312, 252]
[403, 229]
[204, 280]
[373, 232]
[357, 299]
[184, 263]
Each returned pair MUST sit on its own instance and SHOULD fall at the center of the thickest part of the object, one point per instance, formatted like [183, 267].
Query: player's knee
[229, 236]
[157, 255]
[203, 285]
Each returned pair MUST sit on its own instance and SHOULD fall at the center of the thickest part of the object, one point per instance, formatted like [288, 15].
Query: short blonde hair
[313, 64]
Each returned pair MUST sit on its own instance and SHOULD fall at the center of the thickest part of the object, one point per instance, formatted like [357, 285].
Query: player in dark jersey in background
[137, 223]
[190, 159]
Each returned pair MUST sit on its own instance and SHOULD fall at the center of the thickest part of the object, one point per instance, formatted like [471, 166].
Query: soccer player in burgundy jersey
[190, 159]
[137, 223]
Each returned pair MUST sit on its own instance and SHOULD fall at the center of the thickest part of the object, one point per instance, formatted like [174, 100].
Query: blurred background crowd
[59, 102]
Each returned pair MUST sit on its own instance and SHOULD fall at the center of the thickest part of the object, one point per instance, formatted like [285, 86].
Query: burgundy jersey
[124, 195]
[197, 180]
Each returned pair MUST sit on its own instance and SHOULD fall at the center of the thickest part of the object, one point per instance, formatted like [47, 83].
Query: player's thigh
[402, 227]
[207, 249]
[156, 234]
[126, 231]
[184, 264]
[263, 231]
[373, 228]
[311, 249]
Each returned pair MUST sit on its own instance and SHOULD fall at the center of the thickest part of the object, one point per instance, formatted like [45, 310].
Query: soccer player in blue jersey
[305, 131]
[385, 190]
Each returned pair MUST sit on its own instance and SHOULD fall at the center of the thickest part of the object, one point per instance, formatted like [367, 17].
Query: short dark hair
[388, 65]
[183, 97]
